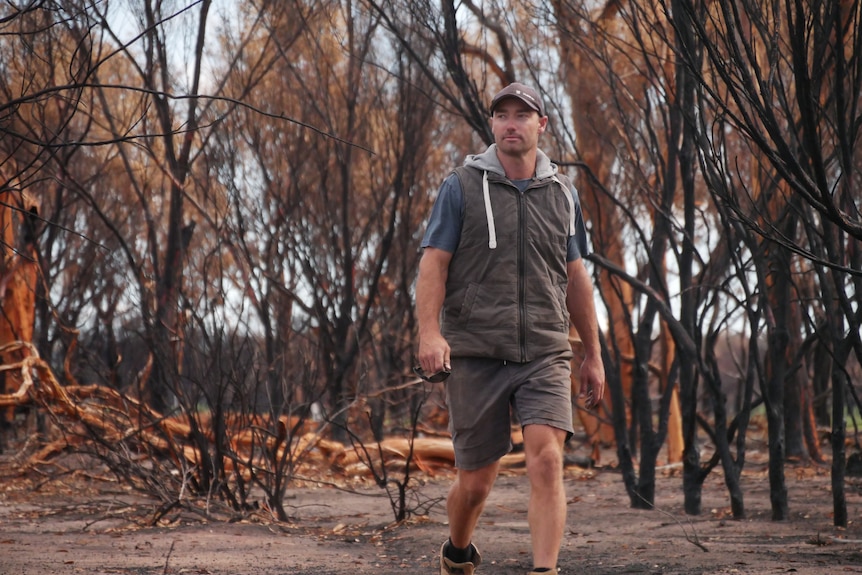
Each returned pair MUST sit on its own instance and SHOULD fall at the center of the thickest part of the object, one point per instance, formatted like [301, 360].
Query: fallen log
[255, 443]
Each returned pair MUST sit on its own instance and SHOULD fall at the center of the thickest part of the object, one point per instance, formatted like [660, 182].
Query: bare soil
[81, 522]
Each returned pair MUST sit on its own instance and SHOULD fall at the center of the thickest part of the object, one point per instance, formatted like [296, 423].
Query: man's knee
[475, 486]
[475, 495]
[546, 463]
[544, 450]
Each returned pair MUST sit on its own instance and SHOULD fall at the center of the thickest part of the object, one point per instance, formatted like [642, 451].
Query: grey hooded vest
[506, 287]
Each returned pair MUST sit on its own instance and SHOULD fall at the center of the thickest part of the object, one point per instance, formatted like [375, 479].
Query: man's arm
[430, 293]
[582, 310]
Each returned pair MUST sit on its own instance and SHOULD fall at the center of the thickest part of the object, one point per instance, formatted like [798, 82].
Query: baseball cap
[523, 93]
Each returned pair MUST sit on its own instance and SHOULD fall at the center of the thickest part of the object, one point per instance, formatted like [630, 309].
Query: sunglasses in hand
[431, 378]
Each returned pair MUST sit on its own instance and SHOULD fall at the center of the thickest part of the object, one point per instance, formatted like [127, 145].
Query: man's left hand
[592, 382]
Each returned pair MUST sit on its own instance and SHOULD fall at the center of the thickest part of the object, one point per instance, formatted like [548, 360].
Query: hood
[489, 162]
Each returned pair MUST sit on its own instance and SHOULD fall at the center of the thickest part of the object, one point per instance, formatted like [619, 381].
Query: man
[500, 278]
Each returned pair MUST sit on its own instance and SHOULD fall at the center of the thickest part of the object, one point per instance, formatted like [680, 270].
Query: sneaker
[551, 572]
[448, 567]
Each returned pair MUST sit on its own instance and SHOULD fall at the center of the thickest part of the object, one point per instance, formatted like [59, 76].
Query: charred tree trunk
[722, 435]
[794, 395]
[839, 432]
[773, 395]
[166, 327]
[598, 142]
[19, 271]
[689, 57]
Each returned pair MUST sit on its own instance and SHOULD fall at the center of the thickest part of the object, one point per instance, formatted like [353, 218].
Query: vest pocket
[467, 304]
[547, 308]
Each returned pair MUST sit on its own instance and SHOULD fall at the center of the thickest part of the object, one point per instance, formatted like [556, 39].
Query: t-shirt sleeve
[578, 245]
[444, 226]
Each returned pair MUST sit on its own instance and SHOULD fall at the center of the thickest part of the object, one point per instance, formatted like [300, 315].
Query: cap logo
[520, 93]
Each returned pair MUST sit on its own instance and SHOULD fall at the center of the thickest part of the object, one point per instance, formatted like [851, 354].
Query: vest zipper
[522, 273]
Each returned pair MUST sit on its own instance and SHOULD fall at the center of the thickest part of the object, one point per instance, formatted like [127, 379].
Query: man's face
[516, 127]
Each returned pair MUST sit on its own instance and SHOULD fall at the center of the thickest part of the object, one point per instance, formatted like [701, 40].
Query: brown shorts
[483, 393]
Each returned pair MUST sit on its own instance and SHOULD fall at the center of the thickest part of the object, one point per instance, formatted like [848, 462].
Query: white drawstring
[489, 213]
[492, 231]
[568, 194]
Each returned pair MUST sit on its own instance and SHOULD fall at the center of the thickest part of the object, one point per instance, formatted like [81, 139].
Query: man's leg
[466, 500]
[543, 446]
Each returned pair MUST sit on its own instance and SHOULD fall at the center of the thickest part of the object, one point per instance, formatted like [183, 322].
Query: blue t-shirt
[444, 225]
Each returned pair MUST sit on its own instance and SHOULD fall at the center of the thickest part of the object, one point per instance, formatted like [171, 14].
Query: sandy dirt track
[82, 524]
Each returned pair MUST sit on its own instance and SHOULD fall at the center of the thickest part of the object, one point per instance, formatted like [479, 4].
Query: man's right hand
[430, 291]
[433, 353]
